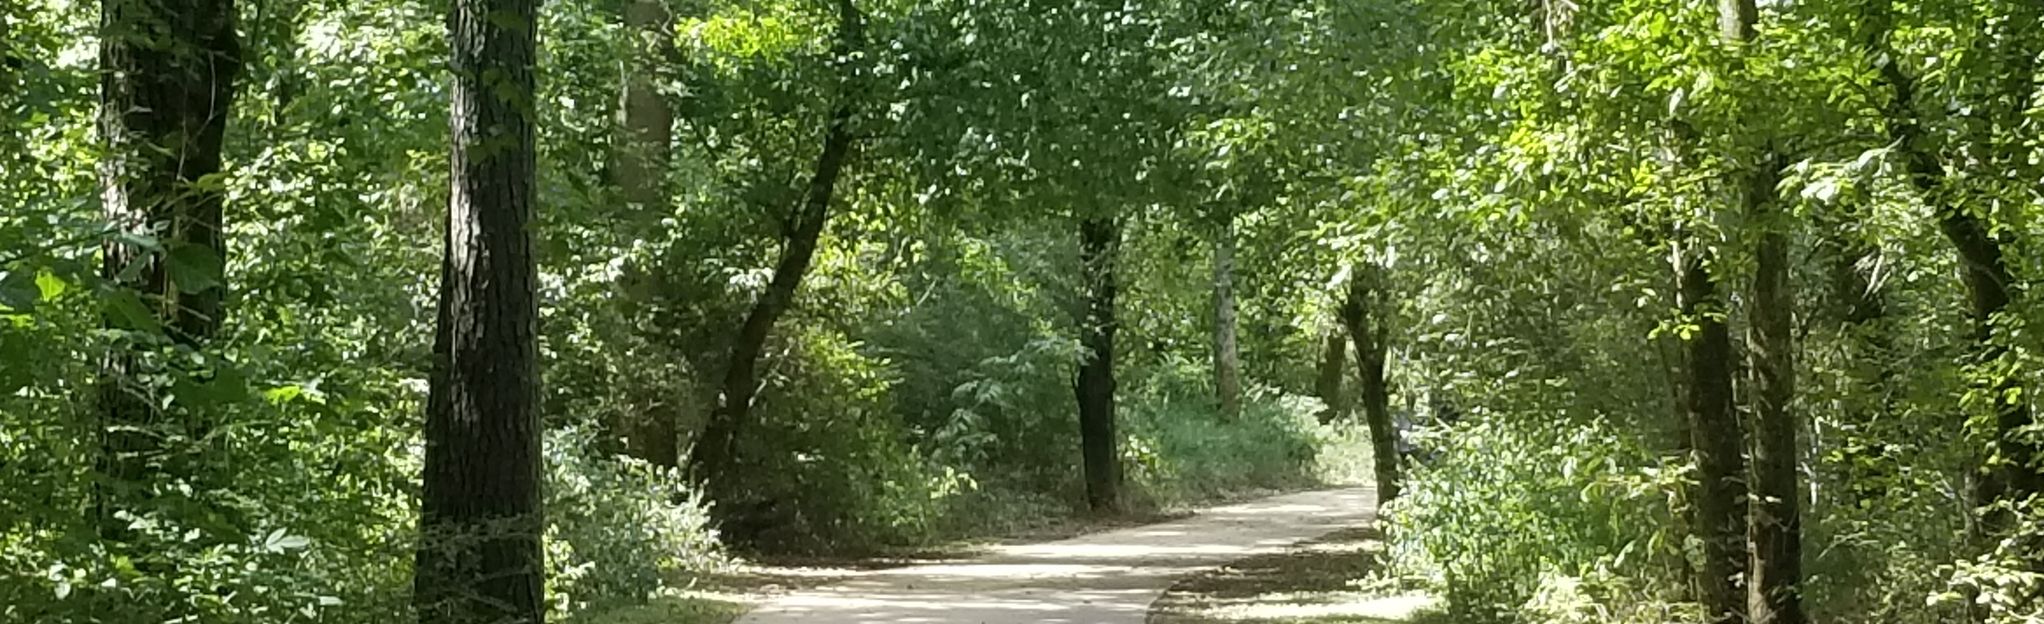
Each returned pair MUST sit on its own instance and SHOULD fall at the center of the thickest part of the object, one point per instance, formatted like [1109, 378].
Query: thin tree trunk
[715, 451]
[641, 160]
[479, 554]
[1227, 352]
[1328, 384]
[1717, 443]
[166, 89]
[2013, 474]
[1774, 523]
[1367, 326]
[1100, 251]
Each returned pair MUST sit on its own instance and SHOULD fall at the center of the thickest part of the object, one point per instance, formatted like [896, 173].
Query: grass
[1313, 583]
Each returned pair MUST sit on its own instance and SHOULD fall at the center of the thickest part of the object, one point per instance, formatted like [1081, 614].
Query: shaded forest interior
[480, 311]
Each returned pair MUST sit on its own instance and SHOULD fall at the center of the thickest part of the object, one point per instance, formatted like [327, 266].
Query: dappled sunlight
[1104, 578]
[1308, 583]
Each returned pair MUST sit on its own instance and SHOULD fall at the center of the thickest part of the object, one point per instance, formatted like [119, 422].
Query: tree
[479, 555]
[166, 90]
[1227, 350]
[1716, 440]
[1363, 315]
[715, 451]
[2011, 474]
[1099, 255]
[641, 169]
[1774, 526]
[1333, 368]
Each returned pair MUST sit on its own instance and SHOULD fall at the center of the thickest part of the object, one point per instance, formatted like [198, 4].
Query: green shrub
[1178, 450]
[618, 529]
[1528, 523]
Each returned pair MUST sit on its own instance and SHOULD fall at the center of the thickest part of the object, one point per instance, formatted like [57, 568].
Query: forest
[515, 311]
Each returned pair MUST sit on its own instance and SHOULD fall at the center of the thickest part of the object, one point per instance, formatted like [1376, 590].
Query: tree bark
[1333, 370]
[641, 158]
[167, 86]
[1716, 441]
[1366, 325]
[1227, 351]
[1100, 251]
[715, 450]
[1774, 527]
[479, 555]
[1774, 521]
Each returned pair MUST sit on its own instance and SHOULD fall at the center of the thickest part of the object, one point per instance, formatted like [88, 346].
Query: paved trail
[1103, 578]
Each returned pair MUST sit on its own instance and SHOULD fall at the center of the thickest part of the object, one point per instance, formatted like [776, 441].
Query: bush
[618, 529]
[1529, 523]
[1178, 450]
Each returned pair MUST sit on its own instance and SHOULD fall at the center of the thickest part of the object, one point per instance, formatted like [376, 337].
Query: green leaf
[194, 268]
[126, 310]
[50, 285]
[277, 541]
[18, 291]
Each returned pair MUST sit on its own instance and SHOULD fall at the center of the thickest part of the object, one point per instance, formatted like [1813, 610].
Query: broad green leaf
[194, 268]
[125, 309]
[50, 285]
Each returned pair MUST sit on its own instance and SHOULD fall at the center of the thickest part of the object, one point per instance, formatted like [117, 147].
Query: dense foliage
[925, 270]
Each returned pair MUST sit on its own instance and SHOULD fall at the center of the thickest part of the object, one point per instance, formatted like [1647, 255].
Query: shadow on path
[1312, 583]
[1103, 578]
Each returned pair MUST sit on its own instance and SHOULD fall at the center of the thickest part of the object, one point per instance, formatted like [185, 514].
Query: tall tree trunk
[479, 554]
[1100, 251]
[1227, 352]
[166, 89]
[715, 450]
[1717, 443]
[1367, 326]
[1774, 523]
[1328, 383]
[641, 158]
[2013, 474]
[1774, 528]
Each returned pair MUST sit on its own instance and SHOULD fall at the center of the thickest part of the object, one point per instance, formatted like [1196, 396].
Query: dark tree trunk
[1774, 523]
[1328, 383]
[641, 166]
[715, 450]
[2013, 474]
[168, 70]
[1227, 350]
[1717, 443]
[1367, 326]
[479, 556]
[1100, 251]
[1774, 527]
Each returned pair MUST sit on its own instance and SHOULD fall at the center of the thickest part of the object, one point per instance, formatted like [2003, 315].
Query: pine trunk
[166, 89]
[1227, 351]
[715, 452]
[1099, 248]
[1368, 328]
[479, 555]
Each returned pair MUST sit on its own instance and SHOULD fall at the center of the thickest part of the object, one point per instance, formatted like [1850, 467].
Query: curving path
[1103, 578]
